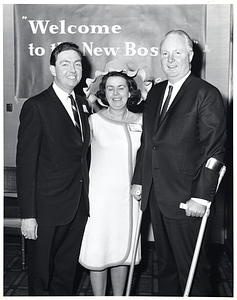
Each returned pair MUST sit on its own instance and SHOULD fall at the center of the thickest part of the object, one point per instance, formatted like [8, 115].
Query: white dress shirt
[66, 101]
[63, 96]
[176, 88]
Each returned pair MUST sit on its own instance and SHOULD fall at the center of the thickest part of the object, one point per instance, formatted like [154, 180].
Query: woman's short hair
[63, 47]
[132, 87]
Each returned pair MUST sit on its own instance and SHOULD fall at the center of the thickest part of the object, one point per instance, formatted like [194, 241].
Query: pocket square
[85, 108]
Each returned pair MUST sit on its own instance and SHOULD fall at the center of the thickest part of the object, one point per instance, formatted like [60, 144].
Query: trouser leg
[38, 262]
[175, 241]
[183, 237]
[53, 257]
[65, 250]
[168, 279]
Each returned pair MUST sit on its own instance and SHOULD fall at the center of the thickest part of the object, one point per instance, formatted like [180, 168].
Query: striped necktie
[166, 104]
[75, 114]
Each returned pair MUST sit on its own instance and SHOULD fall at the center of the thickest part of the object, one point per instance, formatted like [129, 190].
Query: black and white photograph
[118, 149]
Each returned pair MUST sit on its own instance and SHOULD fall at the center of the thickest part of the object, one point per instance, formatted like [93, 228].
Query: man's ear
[52, 70]
[191, 53]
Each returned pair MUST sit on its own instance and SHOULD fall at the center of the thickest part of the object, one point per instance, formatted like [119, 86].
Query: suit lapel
[177, 98]
[158, 106]
[180, 94]
[58, 106]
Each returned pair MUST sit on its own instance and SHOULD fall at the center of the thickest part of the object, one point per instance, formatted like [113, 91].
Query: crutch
[134, 252]
[200, 237]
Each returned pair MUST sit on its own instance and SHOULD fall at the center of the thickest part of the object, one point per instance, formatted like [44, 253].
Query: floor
[144, 283]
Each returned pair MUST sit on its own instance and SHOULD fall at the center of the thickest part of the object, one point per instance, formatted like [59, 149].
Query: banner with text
[131, 33]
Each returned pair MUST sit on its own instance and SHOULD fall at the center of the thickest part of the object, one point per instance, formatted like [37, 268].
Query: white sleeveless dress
[110, 229]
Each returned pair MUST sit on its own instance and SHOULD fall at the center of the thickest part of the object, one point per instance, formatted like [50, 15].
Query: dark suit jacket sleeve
[137, 176]
[29, 139]
[212, 135]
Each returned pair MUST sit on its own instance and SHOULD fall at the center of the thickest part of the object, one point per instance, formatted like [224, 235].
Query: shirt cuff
[201, 201]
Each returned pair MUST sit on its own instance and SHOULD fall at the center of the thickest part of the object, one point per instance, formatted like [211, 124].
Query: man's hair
[182, 33]
[63, 47]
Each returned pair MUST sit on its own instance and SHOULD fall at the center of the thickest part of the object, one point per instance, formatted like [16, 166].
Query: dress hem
[110, 265]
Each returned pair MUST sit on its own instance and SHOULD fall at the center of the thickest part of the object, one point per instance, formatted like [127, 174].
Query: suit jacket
[51, 161]
[173, 154]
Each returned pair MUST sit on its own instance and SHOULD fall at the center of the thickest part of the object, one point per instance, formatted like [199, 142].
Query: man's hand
[29, 228]
[195, 209]
[136, 191]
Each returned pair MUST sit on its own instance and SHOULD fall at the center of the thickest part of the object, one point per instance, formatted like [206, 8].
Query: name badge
[135, 127]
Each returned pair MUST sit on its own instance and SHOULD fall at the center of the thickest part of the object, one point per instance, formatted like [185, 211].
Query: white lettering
[62, 22]
[154, 51]
[69, 29]
[116, 29]
[142, 51]
[31, 48]
[130, 49]
[100, 29]
[98, 51]
[38, 51]
[52, 46]
[111, 51]
[86, 29]
[53, 29]
[43, 25]
[39, 24]
[87, 48]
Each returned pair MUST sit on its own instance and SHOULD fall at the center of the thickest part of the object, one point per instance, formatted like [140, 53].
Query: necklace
[124, 117]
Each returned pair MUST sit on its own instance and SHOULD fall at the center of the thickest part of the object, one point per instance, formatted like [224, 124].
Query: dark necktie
[166, 104]
[75, 114]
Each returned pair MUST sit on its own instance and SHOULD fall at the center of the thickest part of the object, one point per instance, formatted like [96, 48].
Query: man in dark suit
[52, 176]
[179, 159]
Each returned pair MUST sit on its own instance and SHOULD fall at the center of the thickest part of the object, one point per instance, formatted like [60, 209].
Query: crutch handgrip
[183, 205]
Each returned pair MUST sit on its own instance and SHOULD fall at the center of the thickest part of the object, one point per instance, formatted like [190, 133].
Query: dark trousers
[53, 257]
[175, 241]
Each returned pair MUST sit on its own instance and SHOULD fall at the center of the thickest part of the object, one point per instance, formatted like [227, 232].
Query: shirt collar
[60, 93]
[178, 84]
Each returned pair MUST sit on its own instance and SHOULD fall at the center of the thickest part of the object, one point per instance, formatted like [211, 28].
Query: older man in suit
[52, 176]
[181, 153]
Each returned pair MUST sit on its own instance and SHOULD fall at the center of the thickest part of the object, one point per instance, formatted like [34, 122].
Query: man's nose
[170, 57]
[72, 68]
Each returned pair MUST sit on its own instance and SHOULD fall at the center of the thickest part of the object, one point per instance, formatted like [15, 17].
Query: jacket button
[154, 148]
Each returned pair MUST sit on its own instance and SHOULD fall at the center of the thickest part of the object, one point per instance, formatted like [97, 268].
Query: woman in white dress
[115, 139]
